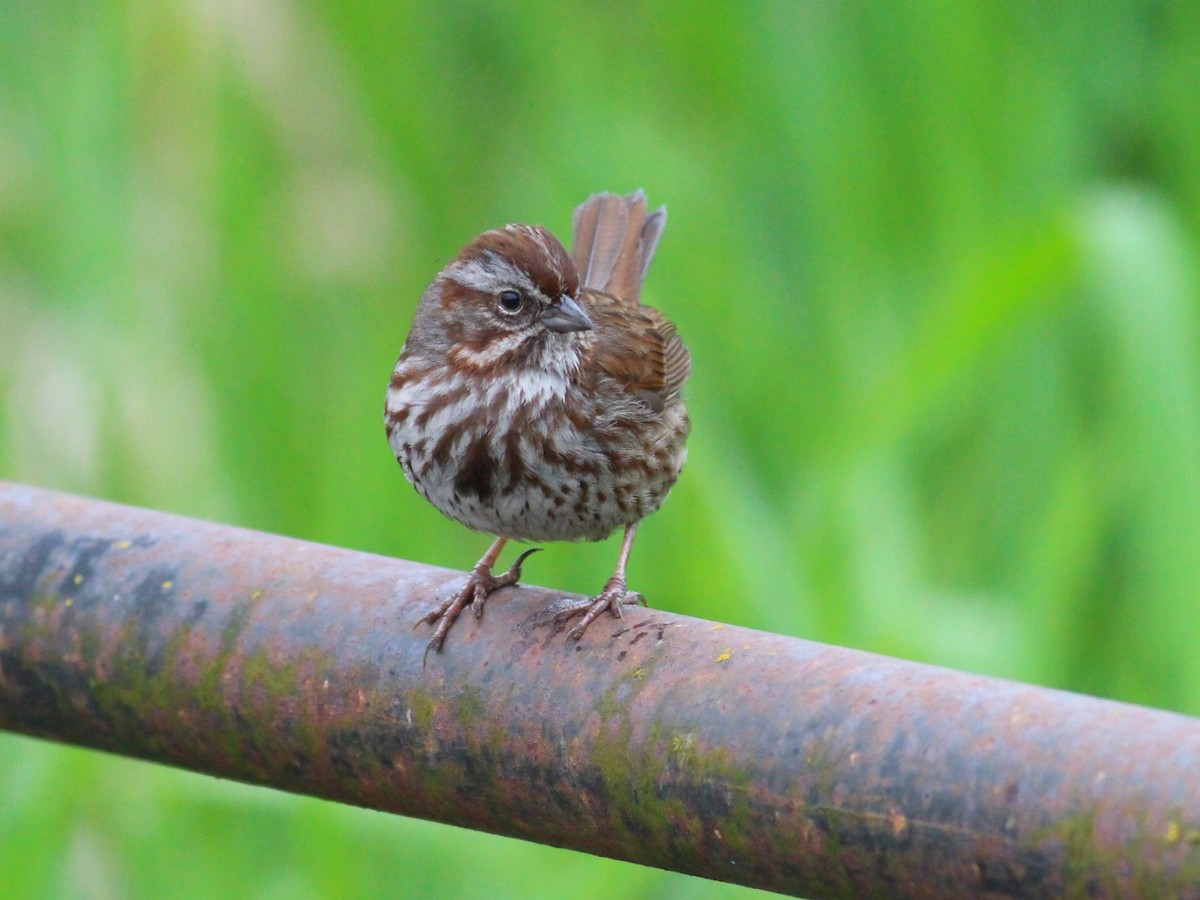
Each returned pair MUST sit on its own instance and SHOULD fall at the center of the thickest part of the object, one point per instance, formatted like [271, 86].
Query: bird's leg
[612, 598]
[480, 583]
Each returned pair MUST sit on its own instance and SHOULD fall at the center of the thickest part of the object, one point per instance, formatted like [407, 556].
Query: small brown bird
[537, 399]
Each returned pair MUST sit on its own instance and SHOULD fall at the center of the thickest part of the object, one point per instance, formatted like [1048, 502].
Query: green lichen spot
[422, 707]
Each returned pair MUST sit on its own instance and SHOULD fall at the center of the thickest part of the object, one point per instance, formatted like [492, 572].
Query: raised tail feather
[615, 239]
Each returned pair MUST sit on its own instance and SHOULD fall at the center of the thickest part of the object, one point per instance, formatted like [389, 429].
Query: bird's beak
[566, 315]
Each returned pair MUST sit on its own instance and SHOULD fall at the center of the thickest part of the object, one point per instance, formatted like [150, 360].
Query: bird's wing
[639, 348]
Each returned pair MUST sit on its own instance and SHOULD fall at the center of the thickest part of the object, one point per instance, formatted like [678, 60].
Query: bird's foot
[478, 587]
[612, 598]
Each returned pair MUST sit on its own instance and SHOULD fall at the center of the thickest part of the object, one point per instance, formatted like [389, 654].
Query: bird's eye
[511, 301]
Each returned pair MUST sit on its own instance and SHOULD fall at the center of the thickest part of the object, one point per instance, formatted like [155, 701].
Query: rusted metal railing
[660, 739]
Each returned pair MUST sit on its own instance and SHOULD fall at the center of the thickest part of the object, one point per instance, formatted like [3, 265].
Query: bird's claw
[478, 587]
[612, 598]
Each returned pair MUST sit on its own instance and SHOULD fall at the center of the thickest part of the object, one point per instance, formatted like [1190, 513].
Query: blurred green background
[936, 263]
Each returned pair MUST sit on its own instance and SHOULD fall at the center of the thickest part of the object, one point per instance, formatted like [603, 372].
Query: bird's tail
[615, 239]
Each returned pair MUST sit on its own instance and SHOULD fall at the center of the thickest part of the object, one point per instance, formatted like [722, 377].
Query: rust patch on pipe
[711, 750]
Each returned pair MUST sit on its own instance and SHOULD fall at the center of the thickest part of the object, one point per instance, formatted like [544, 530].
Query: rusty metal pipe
[669, 741]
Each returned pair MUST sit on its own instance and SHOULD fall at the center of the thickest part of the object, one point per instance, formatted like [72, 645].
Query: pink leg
[480, 583]
[612, 598]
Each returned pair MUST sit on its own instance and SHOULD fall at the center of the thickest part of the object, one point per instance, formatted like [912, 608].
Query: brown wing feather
[677, 362]
[639, 348]
[615, 240]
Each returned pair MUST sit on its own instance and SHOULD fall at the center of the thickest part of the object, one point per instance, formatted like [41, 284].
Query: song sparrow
[537, 399]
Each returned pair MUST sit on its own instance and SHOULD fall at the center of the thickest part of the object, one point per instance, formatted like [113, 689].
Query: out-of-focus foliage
[936, 263]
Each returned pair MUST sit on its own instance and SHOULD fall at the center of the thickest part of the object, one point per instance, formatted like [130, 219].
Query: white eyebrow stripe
[488, 272]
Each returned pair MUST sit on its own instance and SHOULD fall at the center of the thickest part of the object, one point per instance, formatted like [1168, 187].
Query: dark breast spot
[514, 463]
[476, 473]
